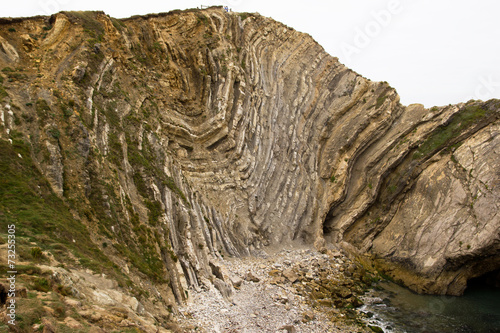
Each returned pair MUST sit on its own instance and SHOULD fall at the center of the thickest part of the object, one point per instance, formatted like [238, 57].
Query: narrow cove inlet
[207, 170]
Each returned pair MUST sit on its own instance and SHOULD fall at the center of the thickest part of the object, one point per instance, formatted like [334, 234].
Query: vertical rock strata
[204, 133]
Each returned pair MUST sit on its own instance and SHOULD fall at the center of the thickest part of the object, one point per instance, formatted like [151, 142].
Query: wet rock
[376, 329]
[354, 301]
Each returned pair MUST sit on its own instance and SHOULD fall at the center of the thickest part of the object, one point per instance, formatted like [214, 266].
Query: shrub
[380, 101]
[36, 253]
[3, 93]
[55, 133]
[41, 284]
[444, 135]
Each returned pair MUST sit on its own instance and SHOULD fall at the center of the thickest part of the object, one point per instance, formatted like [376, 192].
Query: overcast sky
[434, 52]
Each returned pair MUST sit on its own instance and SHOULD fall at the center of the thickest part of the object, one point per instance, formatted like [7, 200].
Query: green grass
[112, 115]
[28, 313]
[22, 269]
[41, 284]
[118, 24]
[55, 133]
[202, 19]
[380, 100]
[170, 183]
[142, 160]
[3, 93]
[155, 211]
[42, 109]
[89, 22]
[36, 253]
[243, 16]
[444, 135]
[376, 329]
[27, 200]
[146, 260]
[115, 153]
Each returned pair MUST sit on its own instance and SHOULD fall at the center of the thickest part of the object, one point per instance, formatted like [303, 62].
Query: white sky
[434, 52]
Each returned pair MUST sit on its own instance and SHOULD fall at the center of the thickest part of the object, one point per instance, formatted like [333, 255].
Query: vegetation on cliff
[134, 153]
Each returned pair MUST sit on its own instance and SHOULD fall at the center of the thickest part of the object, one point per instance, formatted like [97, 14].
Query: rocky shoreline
[288, 291]
[139, 154]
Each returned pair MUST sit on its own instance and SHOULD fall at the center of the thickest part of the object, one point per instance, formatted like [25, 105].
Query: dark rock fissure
[491, 279]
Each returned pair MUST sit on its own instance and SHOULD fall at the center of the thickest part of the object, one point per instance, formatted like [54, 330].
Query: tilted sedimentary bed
[201, 133]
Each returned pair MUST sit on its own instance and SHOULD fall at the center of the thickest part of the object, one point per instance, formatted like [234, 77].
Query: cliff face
[188, 135]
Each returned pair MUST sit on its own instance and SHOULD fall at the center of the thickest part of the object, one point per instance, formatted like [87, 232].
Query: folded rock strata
[190, 135]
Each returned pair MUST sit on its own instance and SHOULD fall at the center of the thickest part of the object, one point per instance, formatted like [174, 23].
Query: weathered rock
[277, 280]
[28, 42]
[236, 282]
[216, 270]
[78, 73]
[8, 53]
[48, 326]
[251, 277]
[72, 302]
[55, 168]
[290, 275]
[288, 328]
[72, 323]
[274, 272]
[448, 219]
[224, 288]
[308, 316]
[184, 137]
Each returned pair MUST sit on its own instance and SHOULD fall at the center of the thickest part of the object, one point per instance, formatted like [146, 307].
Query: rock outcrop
[185, 136]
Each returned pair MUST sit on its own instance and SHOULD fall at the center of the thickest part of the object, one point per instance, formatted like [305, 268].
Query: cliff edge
[172, 140]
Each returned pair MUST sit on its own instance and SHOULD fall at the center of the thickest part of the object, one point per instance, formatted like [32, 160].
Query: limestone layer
[220, 133]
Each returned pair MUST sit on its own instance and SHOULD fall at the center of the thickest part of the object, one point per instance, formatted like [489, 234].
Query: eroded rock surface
[314, 298]
[179, 138]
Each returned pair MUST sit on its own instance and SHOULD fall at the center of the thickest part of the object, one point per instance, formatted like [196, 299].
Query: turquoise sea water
[397, 309]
